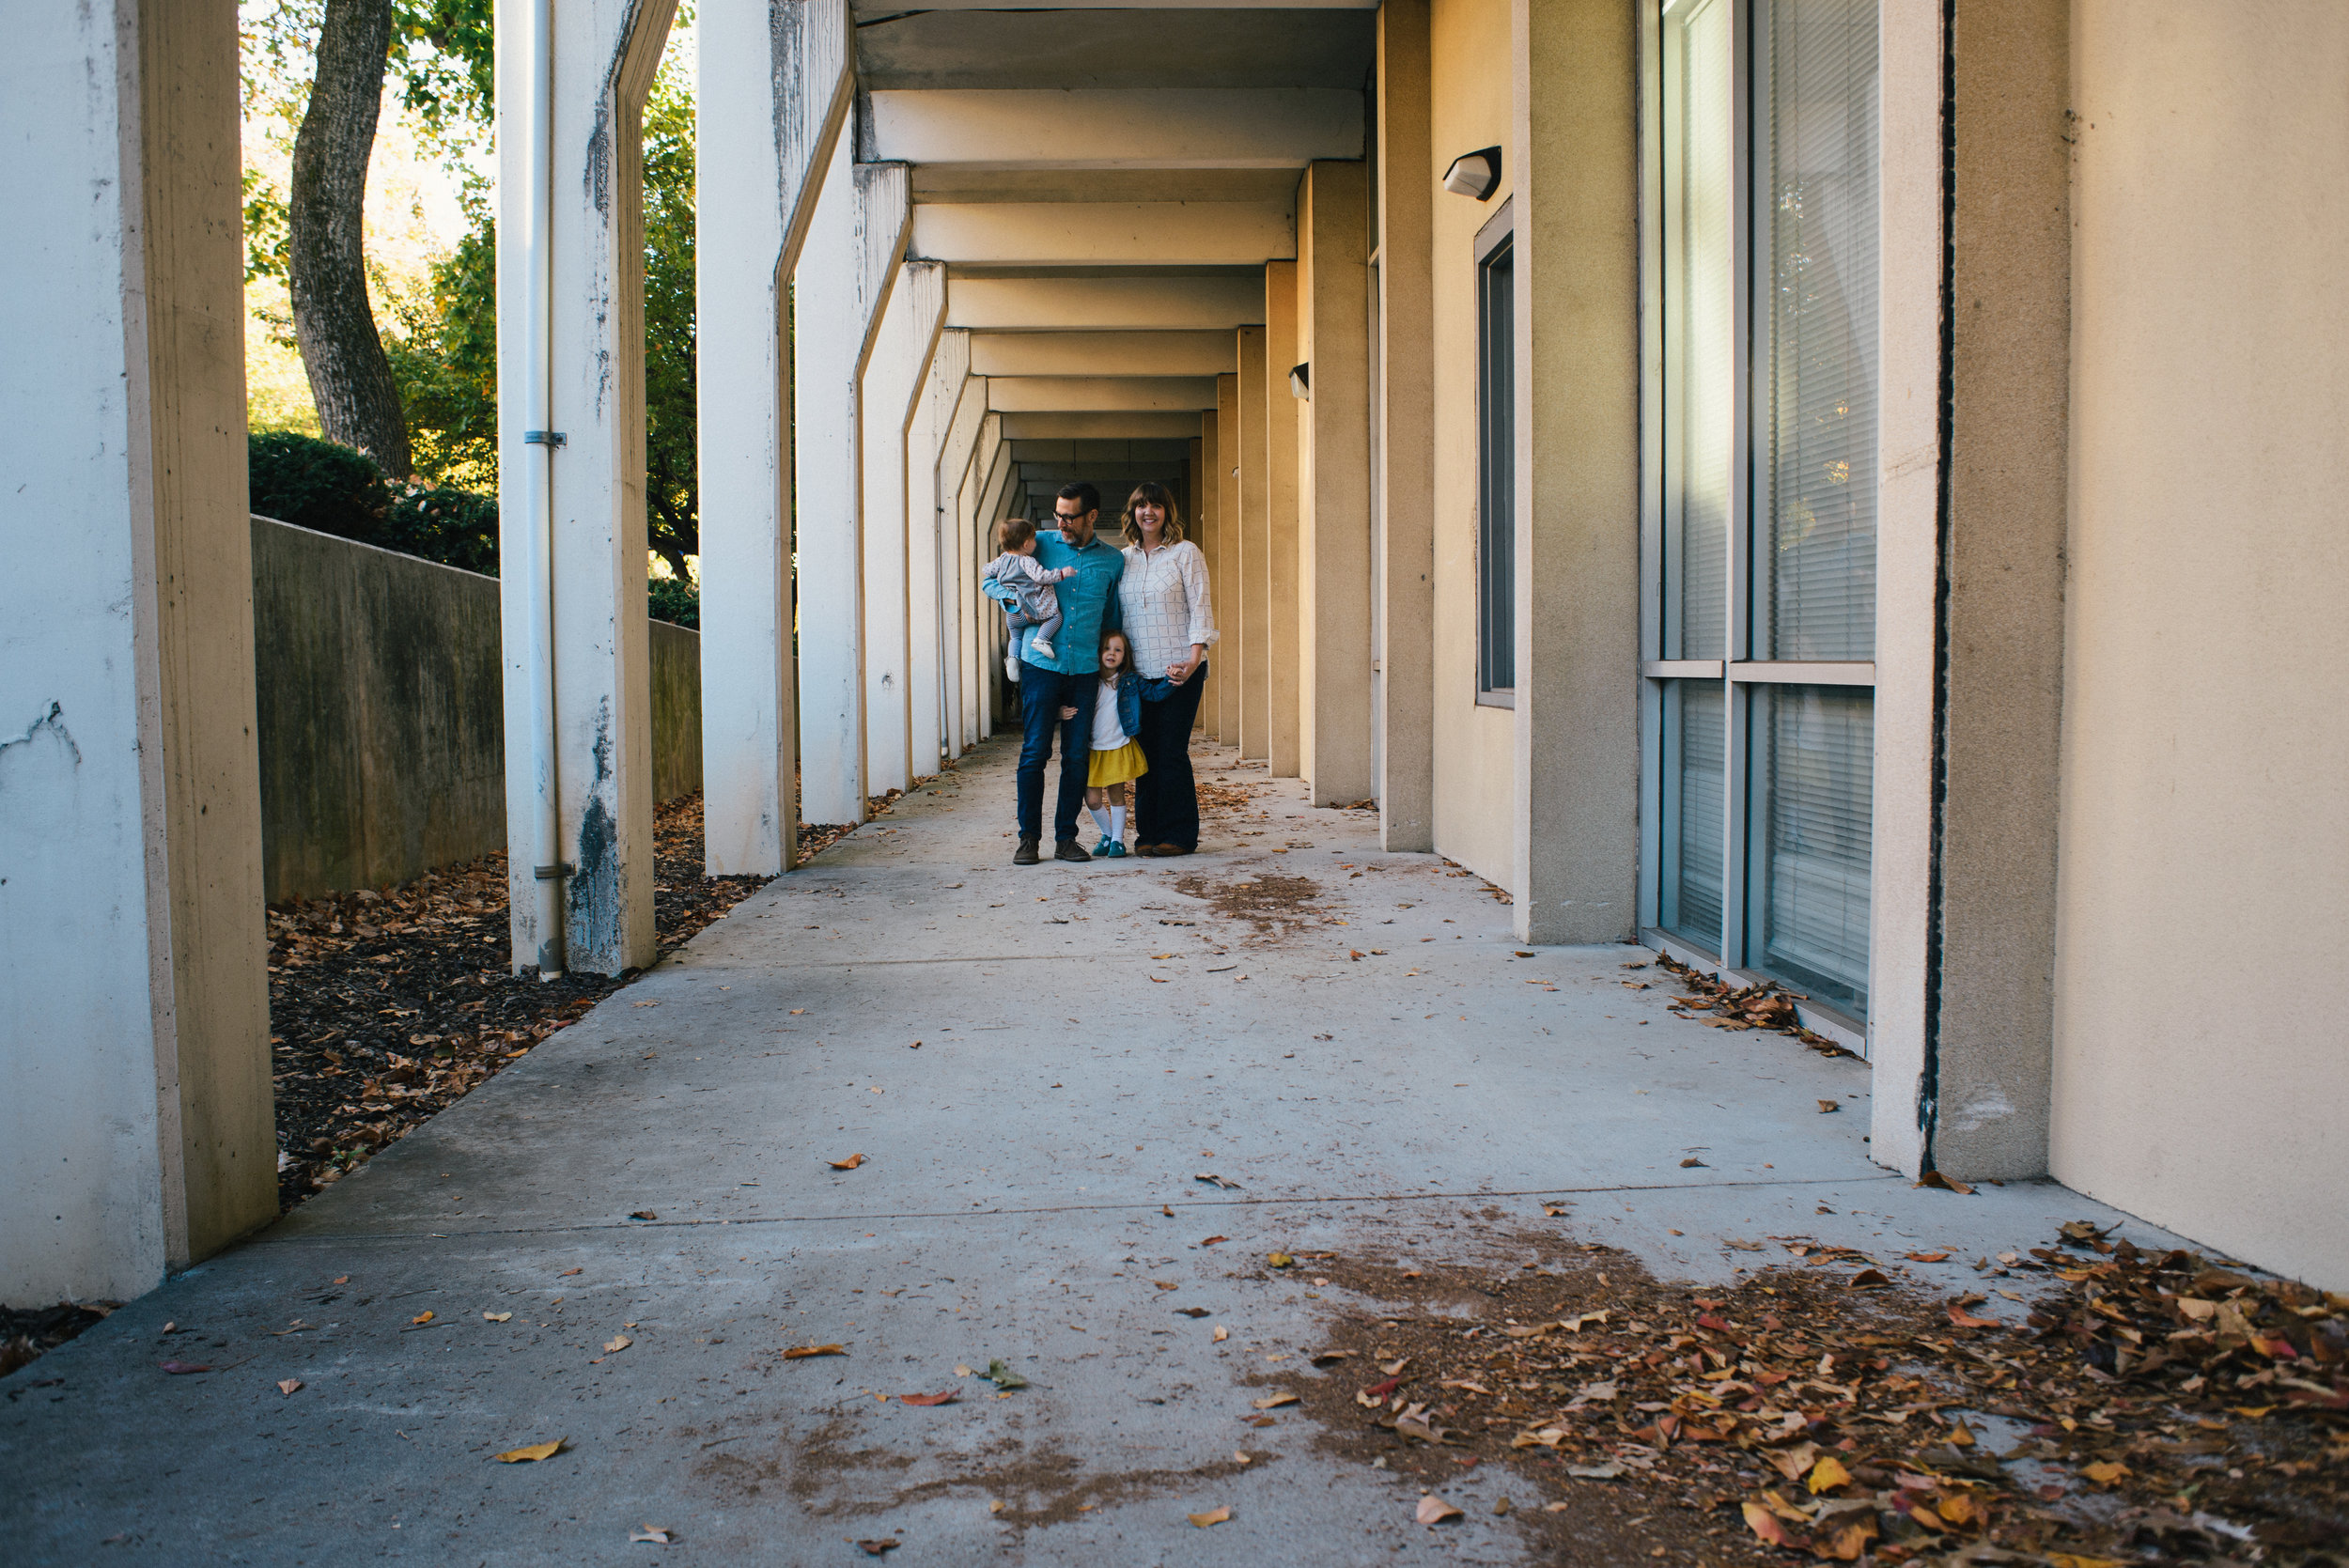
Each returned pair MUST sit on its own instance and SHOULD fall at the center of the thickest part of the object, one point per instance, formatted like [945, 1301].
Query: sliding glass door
[1760, 570]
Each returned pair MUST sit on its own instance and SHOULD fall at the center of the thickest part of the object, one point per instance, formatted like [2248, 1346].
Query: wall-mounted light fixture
[1302, 381]
[1475, 174]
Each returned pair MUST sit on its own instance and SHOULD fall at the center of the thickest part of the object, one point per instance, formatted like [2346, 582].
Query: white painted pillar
[605, 53]
[933, 587]
[969, 407]
[136, 1116]
[892, 385]
[841, 285]
[774, 92]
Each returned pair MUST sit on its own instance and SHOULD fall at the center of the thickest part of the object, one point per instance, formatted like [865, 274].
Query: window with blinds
[1818, 594]
[1764, 136]
[1701, 330]
[1813, 810]
[1496, 473]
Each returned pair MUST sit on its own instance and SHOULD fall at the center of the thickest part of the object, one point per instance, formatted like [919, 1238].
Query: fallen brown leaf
[949, 1397]
[617, 1344]
[1221, 1333]
[1926, 1257]
[1273, 1402]
[802, 1352]
[875, 1548]
[1213, 1240]
[1965, 1319]
[849, 1164]
[653, 1535]
[424, 1317]
[180, 1368]
[289, 1385]
[533, 1452]
[1433, 1509]
[1212, 1516]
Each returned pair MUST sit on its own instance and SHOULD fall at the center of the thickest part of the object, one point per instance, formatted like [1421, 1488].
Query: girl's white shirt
[1107, 734]
[1165, 606]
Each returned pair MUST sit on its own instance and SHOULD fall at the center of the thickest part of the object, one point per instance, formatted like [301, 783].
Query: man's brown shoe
[1069, 850]
[1168, 849]
[1025, 854]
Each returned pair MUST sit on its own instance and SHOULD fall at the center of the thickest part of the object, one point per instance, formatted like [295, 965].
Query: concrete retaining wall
[382, 714]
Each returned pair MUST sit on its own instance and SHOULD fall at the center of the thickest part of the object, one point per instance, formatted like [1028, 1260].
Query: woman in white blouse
[1170, 620]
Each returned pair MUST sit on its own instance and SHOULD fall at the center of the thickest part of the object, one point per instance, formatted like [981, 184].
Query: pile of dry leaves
[386, 1006]
[2156, 1407]
[1766, 1004]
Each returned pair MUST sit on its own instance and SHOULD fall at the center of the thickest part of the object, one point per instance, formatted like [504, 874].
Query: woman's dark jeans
[1166, 798]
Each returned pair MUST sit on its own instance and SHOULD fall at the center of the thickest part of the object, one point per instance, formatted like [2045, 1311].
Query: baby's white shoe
[1041, 646]
[1011, 667]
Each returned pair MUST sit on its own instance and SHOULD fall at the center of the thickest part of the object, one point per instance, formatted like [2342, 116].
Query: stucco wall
[381, 712]
[2202, 1064]
[1476, 748]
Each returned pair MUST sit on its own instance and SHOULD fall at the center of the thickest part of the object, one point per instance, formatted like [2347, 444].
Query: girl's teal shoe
[1109, 849]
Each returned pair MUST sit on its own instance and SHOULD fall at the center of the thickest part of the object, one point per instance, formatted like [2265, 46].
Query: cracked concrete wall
[381, 718]
[2201, 1081]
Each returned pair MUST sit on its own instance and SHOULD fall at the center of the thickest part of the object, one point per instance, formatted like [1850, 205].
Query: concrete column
[902, 345]
[1222, 697]
[1990, 993]
[966, 553]
[935, 589]
[603, 661]
[854, 243]
[1208, 498]
[1284, 432]
[1406, 446]
[135, 1115]
[1333, 491]
[1575, 143]
[1251, 609]
[774, 92]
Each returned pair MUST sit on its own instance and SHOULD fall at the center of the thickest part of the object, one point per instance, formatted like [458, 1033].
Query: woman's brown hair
[1150, 490]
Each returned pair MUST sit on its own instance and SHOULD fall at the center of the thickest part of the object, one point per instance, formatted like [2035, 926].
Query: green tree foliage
[444, 357]
[672, 483]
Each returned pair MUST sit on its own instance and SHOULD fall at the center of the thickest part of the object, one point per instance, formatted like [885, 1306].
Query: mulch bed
[2132, 1407]
[387, 1006]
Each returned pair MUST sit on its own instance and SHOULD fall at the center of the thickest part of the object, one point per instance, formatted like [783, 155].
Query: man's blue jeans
[1042, 694]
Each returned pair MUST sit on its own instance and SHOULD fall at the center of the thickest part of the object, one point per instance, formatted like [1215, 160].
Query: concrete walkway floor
[612, 1242]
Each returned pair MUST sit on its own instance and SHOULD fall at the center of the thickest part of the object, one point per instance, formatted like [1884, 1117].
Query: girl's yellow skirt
[1110, 767]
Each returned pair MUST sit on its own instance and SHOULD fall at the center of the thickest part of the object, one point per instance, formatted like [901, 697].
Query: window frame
[1497, 527]
[1744, 678]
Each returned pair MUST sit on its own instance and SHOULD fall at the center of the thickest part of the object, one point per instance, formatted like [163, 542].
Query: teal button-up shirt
[1088, 602]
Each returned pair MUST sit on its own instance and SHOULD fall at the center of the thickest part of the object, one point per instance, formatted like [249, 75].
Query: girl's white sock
[1101, 820]
[1117, 824]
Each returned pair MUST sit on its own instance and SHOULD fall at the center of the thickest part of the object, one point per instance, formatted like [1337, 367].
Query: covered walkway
[614, 1242]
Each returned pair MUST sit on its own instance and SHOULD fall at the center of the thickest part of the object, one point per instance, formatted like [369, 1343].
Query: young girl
[1116, 755]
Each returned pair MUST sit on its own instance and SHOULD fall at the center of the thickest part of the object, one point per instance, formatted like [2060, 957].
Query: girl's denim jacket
[1130, 695]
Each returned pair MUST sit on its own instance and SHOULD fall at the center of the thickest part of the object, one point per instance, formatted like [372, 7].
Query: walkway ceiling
[1106, 183]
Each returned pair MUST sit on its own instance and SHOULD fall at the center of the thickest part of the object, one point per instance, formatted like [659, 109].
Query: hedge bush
[317, 484]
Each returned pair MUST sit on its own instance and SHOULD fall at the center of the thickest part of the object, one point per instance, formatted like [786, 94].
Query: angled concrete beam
[854, 246]
[960, 435]
[934, 606]
[773, 95]
[1072, 234]
[893, 379]
[1215, 302]
[1163, 128]
[1081, 354]
[1099, 426]
[1101, 393]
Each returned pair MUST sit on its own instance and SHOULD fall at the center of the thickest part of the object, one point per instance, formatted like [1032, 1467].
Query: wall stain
[53, 724]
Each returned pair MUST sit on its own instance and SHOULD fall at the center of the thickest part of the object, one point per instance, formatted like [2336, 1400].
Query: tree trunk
[358, 401]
